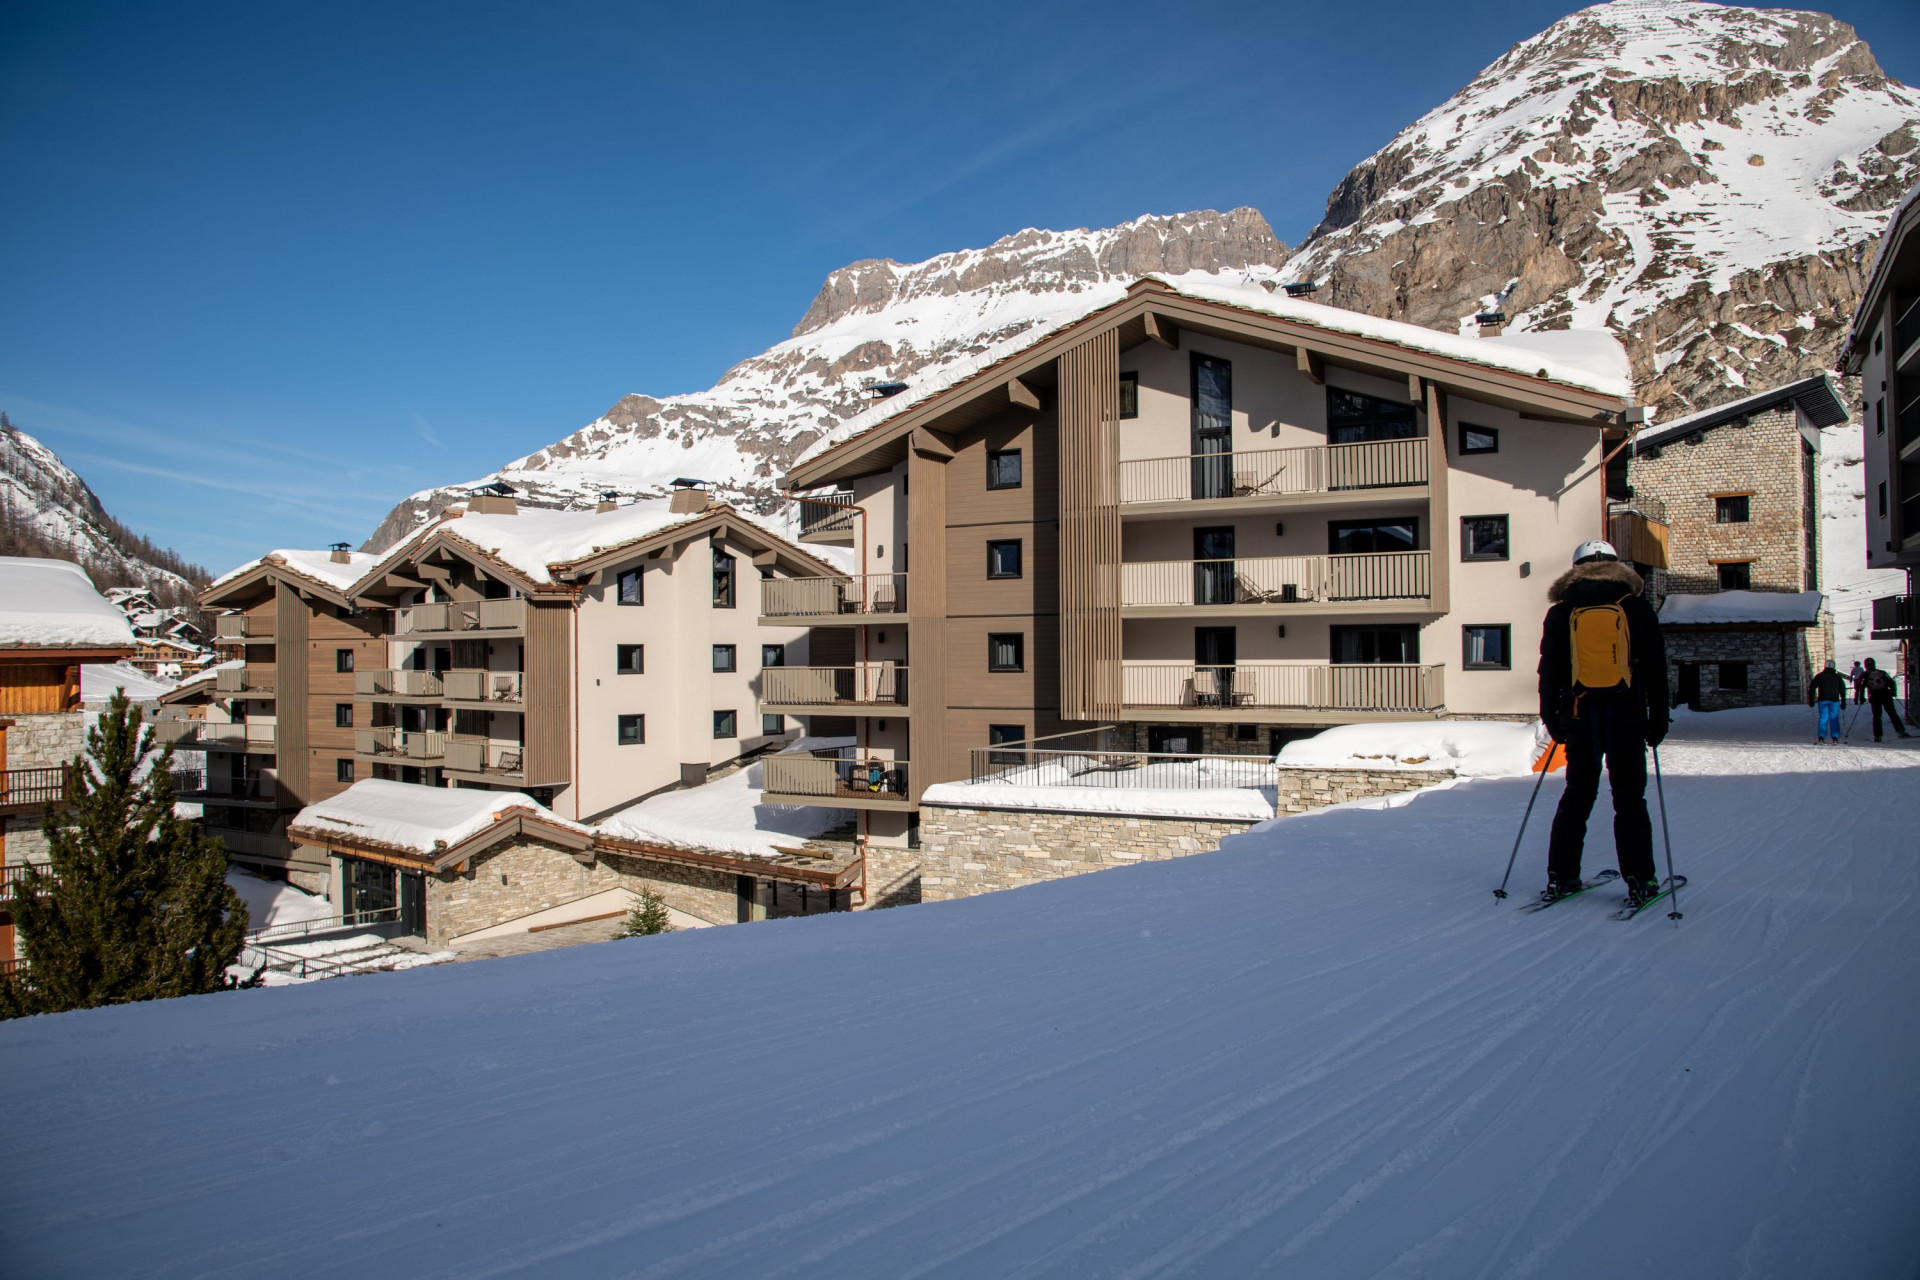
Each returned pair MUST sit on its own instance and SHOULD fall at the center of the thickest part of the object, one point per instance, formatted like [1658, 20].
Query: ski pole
[1660, 789]
[1546, 763]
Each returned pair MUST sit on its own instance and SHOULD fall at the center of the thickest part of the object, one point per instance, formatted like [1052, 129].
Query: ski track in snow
[1324, 1050]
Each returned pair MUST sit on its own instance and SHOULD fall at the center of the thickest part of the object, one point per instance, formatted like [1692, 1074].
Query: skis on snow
[1632, 909]
[1605, 877]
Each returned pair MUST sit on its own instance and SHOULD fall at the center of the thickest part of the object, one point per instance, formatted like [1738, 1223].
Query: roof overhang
[719, 522]
[512, 822]
[1896, 268]
[246, 588]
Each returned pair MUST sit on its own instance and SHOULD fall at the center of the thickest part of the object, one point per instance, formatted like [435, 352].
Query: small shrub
[648, 917]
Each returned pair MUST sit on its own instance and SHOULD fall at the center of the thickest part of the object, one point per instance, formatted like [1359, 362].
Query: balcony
[393, 743]
[397, 684]
[1313, 475]
[1383, 688]
[877, 685]
[253, 789]
[861, 595]
[492, 616]
[24, 789]
[243, 628]
[470, 753]
[828, 518]
[849, 784]
[1370, 582]
[239, 735]
[1065, 762]
[478, 686]
[253, 844]
[250, 680]
[1896, 617]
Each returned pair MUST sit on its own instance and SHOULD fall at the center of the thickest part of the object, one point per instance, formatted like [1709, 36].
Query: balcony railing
[248, 679]
[869, 593]
[481, 686]
[219, 786]
[866, 779]
[397, 684]
[259, 844]
[235, 627]
[1275, 473]
[1027, 766]
[250, 735]
[472, 753]
[30, 788]
[411, 744]
[826, 513]
[1396, 575]
[864, 684]
[1896, 617]
[467, 615]
[1288, 686]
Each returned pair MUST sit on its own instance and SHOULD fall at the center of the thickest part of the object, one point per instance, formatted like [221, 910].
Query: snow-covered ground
[1850, 586]
[1472, 749]
[273, 902]
[1323, 1051]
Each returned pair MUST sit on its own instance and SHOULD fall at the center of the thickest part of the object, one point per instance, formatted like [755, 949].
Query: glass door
[1213, 565]
[1215, 650]
[1212, 460]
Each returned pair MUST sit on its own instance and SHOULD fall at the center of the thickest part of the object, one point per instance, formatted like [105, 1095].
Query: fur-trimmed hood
[1595, 571]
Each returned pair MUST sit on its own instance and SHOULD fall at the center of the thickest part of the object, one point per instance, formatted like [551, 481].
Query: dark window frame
[1743, 569]
[630, 730]
[725, 579]
[1467, 552]
[1406, 632]
[1336, 527]
[772, 723]
[997, 736]
[638, 667]
[1733, 508]
[1016, 643]
[1468, 450]
[997, 547]
[1129, 394]
[1377, 419]
[729, 654]
[343, 660]
[726, 724]
[995, 477]
[637, 579]
[1737, 667]
[343, 770]
[1467, 662]
[343, 715]
[773, 655]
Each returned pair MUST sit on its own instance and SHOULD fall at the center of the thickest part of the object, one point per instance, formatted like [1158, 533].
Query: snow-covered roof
[1792, 608]
[1816, 397]
[1224, 804]
[320, 566]
[203, 677]
[99, 680]
[724, 816]
[53, 604]
[1591, 360]
[424, 821]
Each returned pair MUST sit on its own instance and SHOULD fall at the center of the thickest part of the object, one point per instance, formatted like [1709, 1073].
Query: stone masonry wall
[36, 741]
[1303, 789]
[1774, 675]
[23, 840]
[526, 876]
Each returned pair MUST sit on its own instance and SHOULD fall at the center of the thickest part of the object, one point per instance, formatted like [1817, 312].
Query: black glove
[1657, 731]
[1554, 729]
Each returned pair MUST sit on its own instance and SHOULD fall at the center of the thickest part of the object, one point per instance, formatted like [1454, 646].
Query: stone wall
[1301, 790]
[524, 876]
[23, 839]
[36, 741]
[1779, 662]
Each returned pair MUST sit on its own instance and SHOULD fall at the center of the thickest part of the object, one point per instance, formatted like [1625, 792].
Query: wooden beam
[1162, 331]
[929, 445]
[438, 572]
[1311, 366]
[1022, 395]
[766, 557]
[1416, 389]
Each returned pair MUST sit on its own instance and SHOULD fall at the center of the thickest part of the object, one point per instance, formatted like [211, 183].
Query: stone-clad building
[1737, 489]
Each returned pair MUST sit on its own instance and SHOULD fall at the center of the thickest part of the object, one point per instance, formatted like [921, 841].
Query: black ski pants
[1613, 730]
[1885, 704]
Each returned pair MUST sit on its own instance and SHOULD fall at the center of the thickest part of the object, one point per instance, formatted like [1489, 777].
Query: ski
[1605, 877]
[1630, 910]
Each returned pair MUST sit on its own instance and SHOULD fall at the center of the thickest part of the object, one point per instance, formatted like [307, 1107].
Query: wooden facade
[1090, 675]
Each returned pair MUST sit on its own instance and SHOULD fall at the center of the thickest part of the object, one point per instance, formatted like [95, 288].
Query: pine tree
[137, 906]
[648, 917]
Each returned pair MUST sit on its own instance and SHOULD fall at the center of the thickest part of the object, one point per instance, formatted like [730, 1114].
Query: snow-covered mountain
[1701, 179]
[46, 509]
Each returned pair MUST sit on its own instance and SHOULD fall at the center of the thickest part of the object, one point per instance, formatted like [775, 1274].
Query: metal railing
[1896, 617]
[247, 679]
[15, 871]
[292, 929]
[860, 594]
[46, 784]
[261, 844]
[397, 684]
[466, 615]
[248, 734]
[217, 788]
[865, 683]
[475, 753]
[1021, 764]
[1640, 504]
[1275, 473]
[826, 513]
[241, 626]
[476, 685]
[803, 775]
[1906, 328]
[172, 729]
[1298, 686]
[1396, 575]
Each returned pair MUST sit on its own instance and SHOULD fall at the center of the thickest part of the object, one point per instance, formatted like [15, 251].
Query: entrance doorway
[1688, 692]
[1215, 652]
[1173, 739]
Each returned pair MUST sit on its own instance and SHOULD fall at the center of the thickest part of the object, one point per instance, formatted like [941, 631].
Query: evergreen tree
[137, 906]
[648, 917]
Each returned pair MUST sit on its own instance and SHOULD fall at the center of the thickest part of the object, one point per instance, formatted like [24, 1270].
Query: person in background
[1880, 694]
[1827, 693]
[1859, 683]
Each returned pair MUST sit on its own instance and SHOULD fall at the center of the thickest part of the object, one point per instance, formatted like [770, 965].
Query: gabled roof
[1587, 381]
[437, 826]
[1816, 397]
[315, 572]
[1721, 608]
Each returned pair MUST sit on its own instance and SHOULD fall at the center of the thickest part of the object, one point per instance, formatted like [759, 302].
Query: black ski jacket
[1828, 686]
[1600, 582]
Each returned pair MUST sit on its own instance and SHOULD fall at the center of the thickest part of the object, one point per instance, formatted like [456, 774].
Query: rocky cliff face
[1700, 179]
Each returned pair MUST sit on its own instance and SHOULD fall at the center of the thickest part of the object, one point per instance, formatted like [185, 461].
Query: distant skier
[1827, 693]
[1603, 694]
[1880, 694]
[1859, 683]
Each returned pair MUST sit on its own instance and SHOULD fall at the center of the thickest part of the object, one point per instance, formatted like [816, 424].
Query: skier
[1827, 693]
[1859, 683]
[1603, 694]
[1880, 692]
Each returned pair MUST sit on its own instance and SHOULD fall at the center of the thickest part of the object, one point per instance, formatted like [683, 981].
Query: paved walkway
[520, 944]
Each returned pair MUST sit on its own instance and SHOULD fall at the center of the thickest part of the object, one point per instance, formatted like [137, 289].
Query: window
[343, 771]
[1246, 733]
[1003, 468]
[1002, 734]
[773, 655]
[1483, 538]
[724, 658]
[633, 731]
[1730, 509]
[1003, 558]
[630, 589]
[343, 659]
[1212, 428]
[343, 715]
[1883, 499]
[1353, 418]
[1478, 439]
[1129, 395]
[630, 659]
[1880, 417]
[1375, 644]
[1736, 576]
[772, 724]
[1351, 537]
[1007, 651]
[722, 579]
[1733, 676]
[1488, 648]
[723, 725]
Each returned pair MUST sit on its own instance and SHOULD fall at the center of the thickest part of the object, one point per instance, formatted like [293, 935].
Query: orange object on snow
[1552, 760]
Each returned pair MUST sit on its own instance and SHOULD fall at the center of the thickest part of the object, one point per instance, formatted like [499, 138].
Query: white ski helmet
[1598, 549]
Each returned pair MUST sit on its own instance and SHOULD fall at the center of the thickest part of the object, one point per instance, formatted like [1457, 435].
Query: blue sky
[270, 268]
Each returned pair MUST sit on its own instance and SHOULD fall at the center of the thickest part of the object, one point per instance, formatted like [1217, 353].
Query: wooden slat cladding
[1089, 412]
[290, 697]
[549, 759]
[35, 688]
[932, 755]
[1442, 538]
[328, 687]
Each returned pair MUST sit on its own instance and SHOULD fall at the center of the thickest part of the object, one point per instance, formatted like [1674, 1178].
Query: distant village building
[1736, 490]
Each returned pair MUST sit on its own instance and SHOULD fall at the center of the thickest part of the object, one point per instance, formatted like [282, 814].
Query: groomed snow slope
[1322, 1051]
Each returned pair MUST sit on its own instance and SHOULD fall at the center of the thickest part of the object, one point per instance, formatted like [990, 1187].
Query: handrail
[325, 924]
[858, 594]
[1275, 473]
[864, 683]
[1018, 765]
[41, 784]
[1310, 686]
[1390, 575]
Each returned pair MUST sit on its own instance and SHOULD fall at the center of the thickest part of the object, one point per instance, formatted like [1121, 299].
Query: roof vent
[609, 501]
[1492, 323]
[689, 497]
[881, 390]
[494, 499]
[1300, 288]
[339, 553]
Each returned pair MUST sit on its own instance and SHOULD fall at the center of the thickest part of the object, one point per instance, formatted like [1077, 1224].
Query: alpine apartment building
[1209, 517]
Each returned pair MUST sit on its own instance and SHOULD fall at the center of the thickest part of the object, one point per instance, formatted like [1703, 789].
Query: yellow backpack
[1602, 649]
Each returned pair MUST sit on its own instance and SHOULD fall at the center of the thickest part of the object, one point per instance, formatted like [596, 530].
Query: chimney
[609, 501]
[690, 497]
[1492, 323]
[339, 553]
[494, 499]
